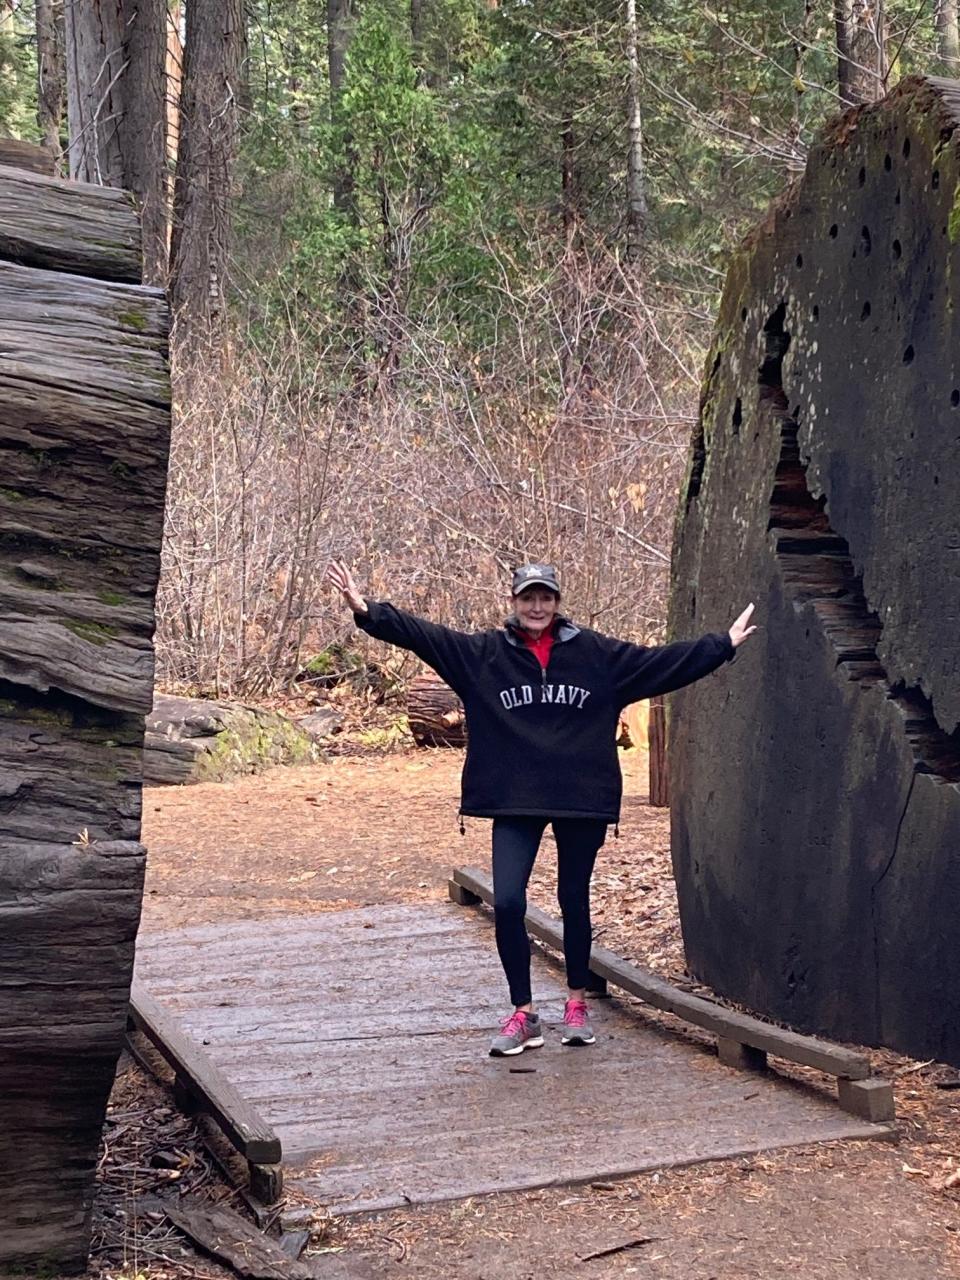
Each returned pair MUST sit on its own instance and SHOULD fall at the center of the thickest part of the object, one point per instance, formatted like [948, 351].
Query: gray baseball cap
[535, 575]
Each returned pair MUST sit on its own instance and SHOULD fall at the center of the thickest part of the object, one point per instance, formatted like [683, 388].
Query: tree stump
[816, 782]
[435, 713]
[85, 399]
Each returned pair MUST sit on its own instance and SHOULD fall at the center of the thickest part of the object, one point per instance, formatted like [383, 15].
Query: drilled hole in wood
[743, 313]
[862, 176]
[906, 148]
[816, 313]
[887, 162]
[908, 355]
[737, 416]
[864, 314]
[935, 179]
[866, 244]
[834, 231]
[897, 249]
[799, 259]
[955, 396]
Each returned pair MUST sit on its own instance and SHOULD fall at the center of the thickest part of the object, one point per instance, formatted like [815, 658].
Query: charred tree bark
[83, 446]
[209, 135]
[816, 780]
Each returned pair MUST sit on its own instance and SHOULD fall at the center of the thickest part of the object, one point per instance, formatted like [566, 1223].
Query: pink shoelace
[514, 1025]
[575, 1013]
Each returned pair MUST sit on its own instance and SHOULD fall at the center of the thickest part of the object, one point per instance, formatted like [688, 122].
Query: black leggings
[515, 845]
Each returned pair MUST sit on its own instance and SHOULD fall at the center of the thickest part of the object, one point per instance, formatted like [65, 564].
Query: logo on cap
[529, 575]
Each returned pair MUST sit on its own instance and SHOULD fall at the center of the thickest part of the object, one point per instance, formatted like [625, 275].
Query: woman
[542, 699]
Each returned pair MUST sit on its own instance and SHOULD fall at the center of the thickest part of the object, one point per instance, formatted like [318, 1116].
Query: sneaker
[518, 1032]
[576, 1024]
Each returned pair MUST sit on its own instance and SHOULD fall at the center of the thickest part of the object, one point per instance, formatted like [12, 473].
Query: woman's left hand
[740, 629]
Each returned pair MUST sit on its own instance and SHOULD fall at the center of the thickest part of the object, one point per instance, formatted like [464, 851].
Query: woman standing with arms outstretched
[542, 699]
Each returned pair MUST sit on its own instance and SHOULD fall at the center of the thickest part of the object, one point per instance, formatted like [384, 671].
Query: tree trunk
[636, 192]
[143, 143]
[861, 50]
[116, 107]
[51, 71]
[659, 773]
[174, 65]
[948, 31]
[209, 132]
[341, 18]
[95, 62]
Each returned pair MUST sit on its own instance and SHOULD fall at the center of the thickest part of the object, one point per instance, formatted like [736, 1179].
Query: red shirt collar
[540, 647]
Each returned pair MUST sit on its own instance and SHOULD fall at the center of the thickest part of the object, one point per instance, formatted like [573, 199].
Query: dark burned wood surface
[816, 781]
[362, 1038]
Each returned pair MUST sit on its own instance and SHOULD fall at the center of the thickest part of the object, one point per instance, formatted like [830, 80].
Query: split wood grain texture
[84, 436]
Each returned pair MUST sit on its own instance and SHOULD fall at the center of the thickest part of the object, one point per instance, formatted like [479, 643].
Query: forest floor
[368, 829]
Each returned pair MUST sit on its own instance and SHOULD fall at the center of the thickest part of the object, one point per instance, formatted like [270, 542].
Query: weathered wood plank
[806, 1050]
[66, 226]
[385, 1093]
[238, 1119]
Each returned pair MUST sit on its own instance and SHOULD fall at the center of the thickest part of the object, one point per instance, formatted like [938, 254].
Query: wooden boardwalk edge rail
[742, 1041]
[201, 1086]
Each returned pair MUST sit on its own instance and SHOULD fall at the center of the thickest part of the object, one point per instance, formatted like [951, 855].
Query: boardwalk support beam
[743, 1041]
[199, 1086]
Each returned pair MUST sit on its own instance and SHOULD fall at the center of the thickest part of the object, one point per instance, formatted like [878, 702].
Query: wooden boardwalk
[361, 1037]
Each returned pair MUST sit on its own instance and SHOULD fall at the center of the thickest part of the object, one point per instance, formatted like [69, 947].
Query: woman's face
[536, 608]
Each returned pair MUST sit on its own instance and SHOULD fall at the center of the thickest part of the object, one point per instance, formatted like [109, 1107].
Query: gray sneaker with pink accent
[576, 1024]
[519, 1031]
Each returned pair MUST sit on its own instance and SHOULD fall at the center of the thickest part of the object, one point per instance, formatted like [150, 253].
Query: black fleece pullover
[543, 742]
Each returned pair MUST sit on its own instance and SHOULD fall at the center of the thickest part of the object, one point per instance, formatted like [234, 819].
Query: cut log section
[84, 430]
[435, 713]
[816, 780]
[68, 226]
[15, 154]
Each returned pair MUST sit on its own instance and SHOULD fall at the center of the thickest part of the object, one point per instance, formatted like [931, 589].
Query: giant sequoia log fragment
[84, 425]
[816, 784]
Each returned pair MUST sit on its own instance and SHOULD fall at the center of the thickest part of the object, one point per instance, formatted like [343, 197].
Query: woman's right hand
[342, 579]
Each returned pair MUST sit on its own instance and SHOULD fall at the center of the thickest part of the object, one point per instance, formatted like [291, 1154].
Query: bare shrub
[563, 440]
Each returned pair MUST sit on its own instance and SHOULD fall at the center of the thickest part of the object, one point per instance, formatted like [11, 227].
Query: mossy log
[84, 431]
[816, 788]
[196, 740]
